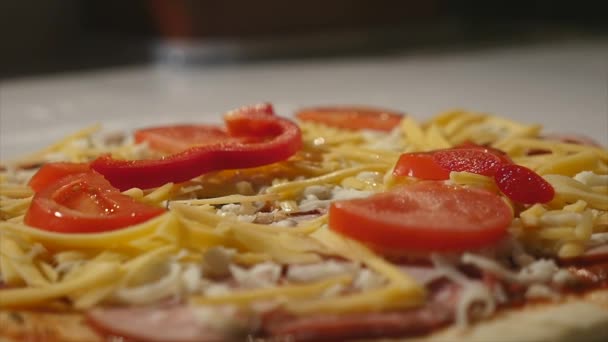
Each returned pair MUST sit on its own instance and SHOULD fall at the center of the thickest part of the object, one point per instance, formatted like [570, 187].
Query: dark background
[39, 37]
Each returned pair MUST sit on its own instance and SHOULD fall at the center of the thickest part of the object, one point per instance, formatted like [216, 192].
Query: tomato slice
[523, 185]
[353, 118]
[173, 139]
[51, 172]
[437, 165]
[85, 203]
[469, 160]
[423, 217]
[504, 157]
[420, 165]
[177, 138]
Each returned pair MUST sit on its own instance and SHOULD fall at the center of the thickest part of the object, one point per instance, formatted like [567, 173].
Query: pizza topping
[428, 216]
[167, 323]
[175, 139]
[319, 271]
[259, 238]
[437, 312]
[437, 165]
[523, 185]
[355, 118]
[276, 139]
[85, 203]
[52, 172]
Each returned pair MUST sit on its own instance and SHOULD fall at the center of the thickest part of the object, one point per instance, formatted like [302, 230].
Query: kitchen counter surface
[563, 85]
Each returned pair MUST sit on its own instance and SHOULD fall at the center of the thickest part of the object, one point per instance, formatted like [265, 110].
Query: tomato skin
[52, 172]
[267, 139]
[523, 185]
[469, 160]
[437, 165]
[420, 165]
[177, 138]
[423, 217]
[85, 203]
[504, 157]
[353, 118]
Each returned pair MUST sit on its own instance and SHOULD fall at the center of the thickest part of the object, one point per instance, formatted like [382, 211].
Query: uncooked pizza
[333, 224]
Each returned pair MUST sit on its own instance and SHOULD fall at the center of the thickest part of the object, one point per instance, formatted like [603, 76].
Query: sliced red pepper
[276, 139]
[85, 203]
[523, 185]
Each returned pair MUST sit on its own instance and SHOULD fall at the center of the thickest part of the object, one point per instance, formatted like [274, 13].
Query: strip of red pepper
[276, 139]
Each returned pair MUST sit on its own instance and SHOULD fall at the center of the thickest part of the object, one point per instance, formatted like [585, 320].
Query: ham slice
[572, 139]
[438, 312]
[176, 323]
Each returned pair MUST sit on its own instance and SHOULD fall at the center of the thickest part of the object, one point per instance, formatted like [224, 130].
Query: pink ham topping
[438, 312]
[156, 324]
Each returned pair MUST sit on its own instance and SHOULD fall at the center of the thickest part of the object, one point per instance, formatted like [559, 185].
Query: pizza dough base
[575, 319]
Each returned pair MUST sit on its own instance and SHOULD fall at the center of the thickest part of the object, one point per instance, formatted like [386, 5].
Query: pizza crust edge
[580, 318]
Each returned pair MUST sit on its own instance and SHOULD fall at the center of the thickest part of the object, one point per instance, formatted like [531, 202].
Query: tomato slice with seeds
[52, 172]
[423, 217]
[523, 185]
[353, 118]
[85, 203]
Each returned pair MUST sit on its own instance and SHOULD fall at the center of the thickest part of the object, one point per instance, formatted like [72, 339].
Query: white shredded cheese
[167, 286]
[541, 291]
[320, 271]
[590, 178]
[266, 274]
[368, 280]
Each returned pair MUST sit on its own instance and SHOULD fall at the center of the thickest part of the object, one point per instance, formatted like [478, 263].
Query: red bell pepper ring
[276, 139]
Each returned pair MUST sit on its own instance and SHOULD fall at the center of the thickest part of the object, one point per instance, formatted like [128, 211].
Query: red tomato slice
[354, 118]
[523, 185]
[51, 172]
[504, 157]
[174, 139]
[469, 160]
[437, 165]
[420, 165]
[85, 203]
[424, 217]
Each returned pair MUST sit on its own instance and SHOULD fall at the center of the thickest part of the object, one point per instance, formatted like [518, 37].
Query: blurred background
[65, 64]
[65, 35]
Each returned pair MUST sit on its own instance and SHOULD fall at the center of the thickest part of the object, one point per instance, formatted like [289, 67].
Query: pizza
[335, 224]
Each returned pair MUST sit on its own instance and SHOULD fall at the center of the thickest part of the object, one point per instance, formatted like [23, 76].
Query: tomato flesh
[420, 165]
[353, 118]
[523, 185]
[173, 139]
[52, 172]
[437, 165]
[85, 203]
[423, 217]
[469, 160]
